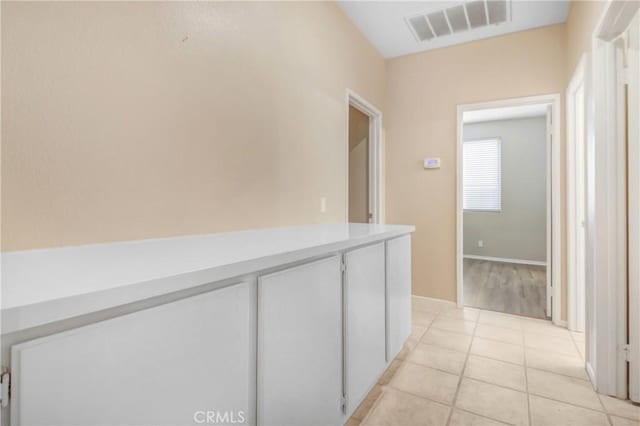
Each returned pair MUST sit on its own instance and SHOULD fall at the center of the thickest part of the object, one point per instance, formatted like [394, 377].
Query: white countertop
[43, 286]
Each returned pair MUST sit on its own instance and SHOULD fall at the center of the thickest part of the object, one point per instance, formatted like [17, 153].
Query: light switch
[432, 163]
[323, 204]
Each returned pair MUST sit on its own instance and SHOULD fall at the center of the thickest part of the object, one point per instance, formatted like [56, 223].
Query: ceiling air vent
[421, 27]
[439, 23]
[460, 18]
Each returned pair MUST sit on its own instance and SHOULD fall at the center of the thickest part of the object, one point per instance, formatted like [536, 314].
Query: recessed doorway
[358, 166]
[363, 198]
[506, 201]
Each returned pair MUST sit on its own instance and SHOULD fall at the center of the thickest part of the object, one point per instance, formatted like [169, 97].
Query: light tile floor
[475, 367]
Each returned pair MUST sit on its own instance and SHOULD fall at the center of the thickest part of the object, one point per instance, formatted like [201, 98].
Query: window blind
[481, 175]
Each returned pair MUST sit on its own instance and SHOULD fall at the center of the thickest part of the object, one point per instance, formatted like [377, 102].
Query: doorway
[358, 166]
[507, 215]
[363, 190]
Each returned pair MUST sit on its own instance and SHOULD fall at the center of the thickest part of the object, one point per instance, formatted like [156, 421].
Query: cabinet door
[398, 294]
[365, 321]
[158, 366]
[300, 345]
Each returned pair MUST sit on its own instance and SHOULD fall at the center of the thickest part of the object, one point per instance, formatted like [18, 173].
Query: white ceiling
[506, 113]
[383, 22]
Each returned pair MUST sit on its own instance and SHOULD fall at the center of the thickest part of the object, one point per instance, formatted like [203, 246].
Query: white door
[634, 205]
[398, 274]
[161, 366]
[300, 345]
[576, 201]
[365, 321]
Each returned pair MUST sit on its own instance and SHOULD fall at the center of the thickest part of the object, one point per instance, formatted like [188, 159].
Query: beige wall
[519, 229]
[582, 20]
[136, 120]
[423, 91]
[358, 166]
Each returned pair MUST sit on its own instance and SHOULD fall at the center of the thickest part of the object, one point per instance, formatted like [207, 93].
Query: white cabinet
[161, 365]
[300, 345]
[398, 310]
[365, 320]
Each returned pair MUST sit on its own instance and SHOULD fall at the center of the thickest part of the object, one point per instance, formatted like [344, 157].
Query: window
[481, 175]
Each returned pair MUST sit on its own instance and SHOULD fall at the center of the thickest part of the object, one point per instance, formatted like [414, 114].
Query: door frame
[607, 273]
[576, 306]
[375, 154]
[554, 224]
[633, 191]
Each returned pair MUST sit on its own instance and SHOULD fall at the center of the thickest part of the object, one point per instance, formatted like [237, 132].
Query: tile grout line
[447, 405]
[464, 367]
[603, 410]
[442, 314]
[496, 385]
[400, 360]
[466, 410]
[558, 374]
[516, 364]
[569, 403]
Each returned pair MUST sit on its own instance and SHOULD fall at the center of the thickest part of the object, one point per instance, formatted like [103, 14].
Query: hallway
[470, 366]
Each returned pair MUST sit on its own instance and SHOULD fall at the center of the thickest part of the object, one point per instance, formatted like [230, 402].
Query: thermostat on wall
[431, 163]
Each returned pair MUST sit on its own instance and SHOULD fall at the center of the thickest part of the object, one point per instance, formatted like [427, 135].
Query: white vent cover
[457, 19]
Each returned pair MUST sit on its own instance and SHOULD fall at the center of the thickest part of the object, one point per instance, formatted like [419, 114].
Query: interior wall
[358, 166]
[581, 21]
[519, 229]
[129, 120]
[423, 91]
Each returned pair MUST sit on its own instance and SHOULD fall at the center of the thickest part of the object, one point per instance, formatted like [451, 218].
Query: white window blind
[481, 175]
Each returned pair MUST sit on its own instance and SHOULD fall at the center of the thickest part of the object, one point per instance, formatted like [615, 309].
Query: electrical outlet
[480, 243]
[323, 204]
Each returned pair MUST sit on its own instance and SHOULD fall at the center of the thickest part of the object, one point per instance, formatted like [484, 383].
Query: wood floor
[505, 287]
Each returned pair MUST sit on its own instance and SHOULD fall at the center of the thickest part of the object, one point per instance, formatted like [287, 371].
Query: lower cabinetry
[159, 366]
[398, 289]
[365, 321]
[299, 346]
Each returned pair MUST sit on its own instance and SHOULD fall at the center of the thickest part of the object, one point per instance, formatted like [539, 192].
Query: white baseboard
[592, 375]
[503, 259]
[433, 299]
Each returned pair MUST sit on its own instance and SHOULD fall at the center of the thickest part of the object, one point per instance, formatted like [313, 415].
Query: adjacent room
[303, 213]
[505, 193]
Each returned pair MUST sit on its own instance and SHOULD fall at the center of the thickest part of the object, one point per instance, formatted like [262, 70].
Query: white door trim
[575, 202]
[634, 207]
[375, 154]
[606, 206]
[554, 230]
